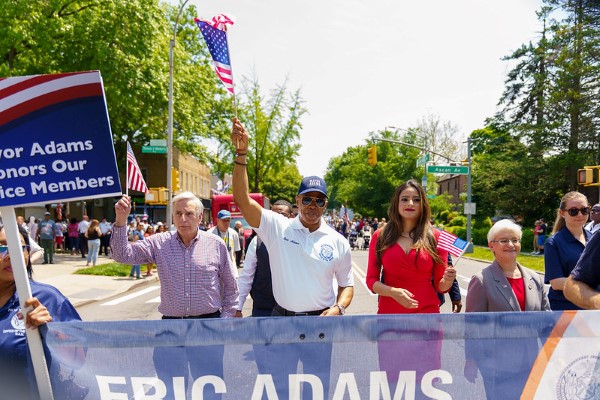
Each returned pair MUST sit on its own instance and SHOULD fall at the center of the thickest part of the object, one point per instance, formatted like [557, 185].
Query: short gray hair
[504, 224]
[189, 196]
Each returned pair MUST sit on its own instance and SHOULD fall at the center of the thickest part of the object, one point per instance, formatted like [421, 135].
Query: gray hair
[189, 196]
[504, 224]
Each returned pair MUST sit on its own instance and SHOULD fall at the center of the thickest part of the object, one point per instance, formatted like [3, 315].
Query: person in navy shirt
[583, 286]
[564, 247]
[48, 304]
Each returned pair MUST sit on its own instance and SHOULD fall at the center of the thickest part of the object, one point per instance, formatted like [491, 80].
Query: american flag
[215, 35]
[452, 244]
[135, 180]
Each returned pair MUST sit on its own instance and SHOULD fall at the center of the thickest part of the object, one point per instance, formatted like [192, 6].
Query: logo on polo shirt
[326, 253]
[17, 323]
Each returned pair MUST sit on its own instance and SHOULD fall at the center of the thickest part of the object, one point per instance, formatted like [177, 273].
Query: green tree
[128, 42]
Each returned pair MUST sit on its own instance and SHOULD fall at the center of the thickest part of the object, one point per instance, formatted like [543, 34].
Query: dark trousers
[105, 243]
[83, 245]
[48, 246]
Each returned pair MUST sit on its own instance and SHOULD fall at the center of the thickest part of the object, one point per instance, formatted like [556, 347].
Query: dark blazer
[489, 290]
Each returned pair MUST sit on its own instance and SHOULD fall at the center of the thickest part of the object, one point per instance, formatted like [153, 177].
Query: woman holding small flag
[406, 256]
[404, 259]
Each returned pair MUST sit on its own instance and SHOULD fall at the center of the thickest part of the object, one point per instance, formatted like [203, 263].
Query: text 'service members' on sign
[55, 139]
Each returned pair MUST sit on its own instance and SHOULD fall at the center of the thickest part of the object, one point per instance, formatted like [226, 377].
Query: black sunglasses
[319, 201]
[574, 211]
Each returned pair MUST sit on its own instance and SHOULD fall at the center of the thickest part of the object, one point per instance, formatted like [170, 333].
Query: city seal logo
[17, 323]
[577, 381]
[326, 253]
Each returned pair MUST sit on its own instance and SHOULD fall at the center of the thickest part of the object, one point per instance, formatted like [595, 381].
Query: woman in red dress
[406, 251]
[405, 269]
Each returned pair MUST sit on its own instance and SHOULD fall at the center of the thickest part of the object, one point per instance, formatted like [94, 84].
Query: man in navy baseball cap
[313, 184]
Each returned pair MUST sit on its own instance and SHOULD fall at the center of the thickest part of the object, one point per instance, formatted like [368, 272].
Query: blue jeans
[93, 248]
[135, 269]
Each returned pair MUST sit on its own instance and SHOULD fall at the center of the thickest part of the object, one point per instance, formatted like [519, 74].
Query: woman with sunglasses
[565, 246]
[47, 304]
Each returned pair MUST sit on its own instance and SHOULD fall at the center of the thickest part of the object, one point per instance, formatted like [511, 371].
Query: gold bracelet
[239, 163]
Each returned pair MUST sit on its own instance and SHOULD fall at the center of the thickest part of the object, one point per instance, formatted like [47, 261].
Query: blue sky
[365, 65]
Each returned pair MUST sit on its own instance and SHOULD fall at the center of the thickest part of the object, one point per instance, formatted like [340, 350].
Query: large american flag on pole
[215, 35]
[135, 180]
[452, 244]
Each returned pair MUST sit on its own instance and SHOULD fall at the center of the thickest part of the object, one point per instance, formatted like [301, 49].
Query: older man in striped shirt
[197, 279]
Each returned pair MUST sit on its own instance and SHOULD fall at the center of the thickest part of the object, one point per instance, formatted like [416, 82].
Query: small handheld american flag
[135, 180]
[215, 35]
[452, 244]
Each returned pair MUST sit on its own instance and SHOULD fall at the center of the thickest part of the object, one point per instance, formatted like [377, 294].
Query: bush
[485, 223]
[458, 221]
[479, 236]
[459, 231]
[527, 240]
[443, 216]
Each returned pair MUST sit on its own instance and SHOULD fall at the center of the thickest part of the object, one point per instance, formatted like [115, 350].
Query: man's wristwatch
[341, 308]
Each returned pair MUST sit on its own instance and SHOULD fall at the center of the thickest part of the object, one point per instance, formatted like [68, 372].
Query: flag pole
[231, 66]
[127, 173]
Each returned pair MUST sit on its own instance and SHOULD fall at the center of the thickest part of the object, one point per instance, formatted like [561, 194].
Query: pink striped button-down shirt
[195, 280]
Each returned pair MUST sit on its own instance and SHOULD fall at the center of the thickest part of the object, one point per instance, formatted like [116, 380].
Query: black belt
[216, 314]
[288, 313]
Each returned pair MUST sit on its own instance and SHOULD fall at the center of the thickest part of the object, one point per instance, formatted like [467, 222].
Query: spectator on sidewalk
[105, 228]
[93, 235]
[239, 229]
[83, 226]
[46, 234]
[594, 224]
[73, 232]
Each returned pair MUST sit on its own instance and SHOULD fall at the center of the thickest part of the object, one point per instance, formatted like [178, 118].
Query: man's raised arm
[250, 209]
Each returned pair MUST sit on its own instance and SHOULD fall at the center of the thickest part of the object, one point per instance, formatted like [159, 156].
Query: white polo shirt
[304, 264]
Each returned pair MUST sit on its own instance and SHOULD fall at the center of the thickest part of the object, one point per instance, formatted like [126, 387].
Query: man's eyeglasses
[319, 201]
[574, 211]
[4, 250]
[504, 242]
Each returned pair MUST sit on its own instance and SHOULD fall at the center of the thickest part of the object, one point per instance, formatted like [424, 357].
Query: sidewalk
[84, 289]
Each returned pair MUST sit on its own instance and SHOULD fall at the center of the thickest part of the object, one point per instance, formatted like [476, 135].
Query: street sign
[423, 160]
[154, 149]
[431, 196]
[158, 142]
[469, 208]
[447, 169]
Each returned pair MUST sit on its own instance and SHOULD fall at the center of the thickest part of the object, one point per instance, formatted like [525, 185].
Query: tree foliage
[549, 123]
[128, 42]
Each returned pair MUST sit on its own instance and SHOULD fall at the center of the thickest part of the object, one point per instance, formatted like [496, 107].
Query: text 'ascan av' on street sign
[447, 169]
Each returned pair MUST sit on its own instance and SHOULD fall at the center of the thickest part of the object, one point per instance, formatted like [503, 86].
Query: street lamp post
[470, 211]
[170, 122]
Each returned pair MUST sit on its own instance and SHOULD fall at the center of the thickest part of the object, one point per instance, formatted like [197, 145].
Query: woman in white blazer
[505, 285]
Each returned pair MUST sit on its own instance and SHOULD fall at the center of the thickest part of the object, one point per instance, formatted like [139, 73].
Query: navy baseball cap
[313, 184]
[224, 214]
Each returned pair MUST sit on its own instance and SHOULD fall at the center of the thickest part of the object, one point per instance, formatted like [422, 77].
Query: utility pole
[169, 215]
[470, 208]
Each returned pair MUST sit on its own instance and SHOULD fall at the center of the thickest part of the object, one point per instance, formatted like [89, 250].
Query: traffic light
[174, 179]
[372, 156]
[585, 176]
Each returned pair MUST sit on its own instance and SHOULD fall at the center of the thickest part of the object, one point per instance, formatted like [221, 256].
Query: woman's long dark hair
[422, 235]
[25, 236]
